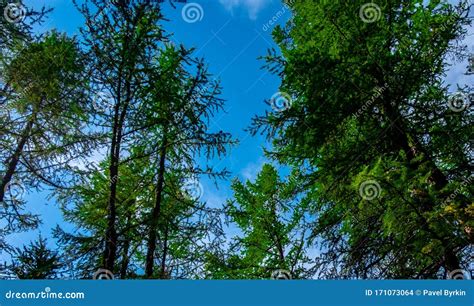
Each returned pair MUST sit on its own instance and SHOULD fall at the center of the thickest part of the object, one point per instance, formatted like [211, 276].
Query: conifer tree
[121, 38]
[41, 129]
[382, 141]
[36, 261]
[272, 231]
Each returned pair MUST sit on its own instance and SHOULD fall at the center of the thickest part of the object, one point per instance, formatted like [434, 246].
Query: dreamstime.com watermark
[460, 275]
[193, 189]
[466, 182]
[15, 190]
[46, 294]
[281, 101]
[370, 12]
[377, 92]
[192, 12]
[459, 102]
[286, 8]
[369, 190]
[14, 12]
[103, 274]
[281, 275]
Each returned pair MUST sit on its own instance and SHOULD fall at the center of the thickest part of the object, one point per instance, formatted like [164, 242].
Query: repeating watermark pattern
[15, 190]
[369, 190]
[459, 274]
[157, 2]
[112, 180]
[279, 205]
[193, 189]
[103, 274]
[458, 102]
[281, 275]
[281, 101]
[192, 12]
[278, 15]
[170, 1]
[452, 196]
[470, 66]
[370, 12]
[378, 91]
[5, 276]
[14, 12]
[102, 102]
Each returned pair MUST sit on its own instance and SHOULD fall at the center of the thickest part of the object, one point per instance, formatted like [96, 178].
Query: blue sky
[230, 35]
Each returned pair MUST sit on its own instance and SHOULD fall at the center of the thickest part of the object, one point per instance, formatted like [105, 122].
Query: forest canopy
[368, 160]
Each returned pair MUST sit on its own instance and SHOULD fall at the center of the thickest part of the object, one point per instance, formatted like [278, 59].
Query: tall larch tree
[383, 141]
[271, 222]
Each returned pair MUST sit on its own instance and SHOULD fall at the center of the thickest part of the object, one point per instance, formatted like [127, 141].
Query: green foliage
[19, 31]
[370, 109]
[43, 105]
[272, 230]
[381, 159]
[183, 225]
[36, 261]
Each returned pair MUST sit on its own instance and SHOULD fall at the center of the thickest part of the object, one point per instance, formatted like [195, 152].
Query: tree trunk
[151, 245]
[111, 236]
[111, 232]
[125, 260]
[13, 160]
[439, 180]
[126, 249]
[451, 261]
[163, 273]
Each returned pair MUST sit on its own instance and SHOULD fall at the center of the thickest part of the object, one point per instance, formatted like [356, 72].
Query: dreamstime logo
[192, 12]
[285, 8]
[459, 274]
[458, 102]
[101, 102]
[193, 189]
[46, 293]
[464, 184]
[369, 190]
[470, 67]
[15, 189]
[281, 101]
[279, 205]
[378, 91]
[281, 275]
[8, 276]
[14, 12]
[370, 12]
[103, 274]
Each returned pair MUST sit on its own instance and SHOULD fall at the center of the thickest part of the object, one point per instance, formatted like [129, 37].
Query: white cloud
[213, 198]
[252, 6]
[252, 169]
